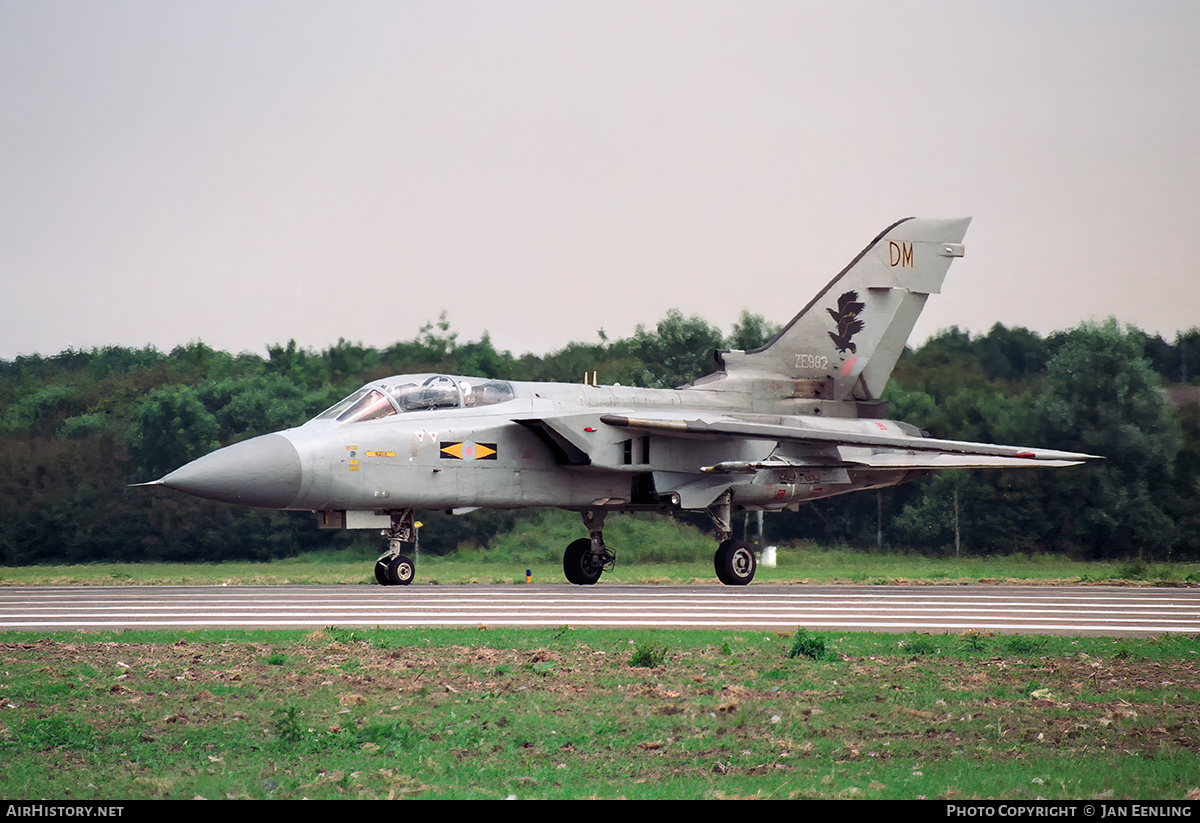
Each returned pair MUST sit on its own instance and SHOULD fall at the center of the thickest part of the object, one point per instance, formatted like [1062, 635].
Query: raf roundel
[468, 450]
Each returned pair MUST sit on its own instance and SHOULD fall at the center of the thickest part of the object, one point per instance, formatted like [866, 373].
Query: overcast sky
[247, 172]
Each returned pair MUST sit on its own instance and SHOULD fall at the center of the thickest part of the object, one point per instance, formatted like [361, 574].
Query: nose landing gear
[394, 567]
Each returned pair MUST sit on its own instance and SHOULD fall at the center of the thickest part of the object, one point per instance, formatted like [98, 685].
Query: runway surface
[1008, 609]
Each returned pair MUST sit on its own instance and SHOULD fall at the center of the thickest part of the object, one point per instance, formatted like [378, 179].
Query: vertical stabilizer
[845, 342]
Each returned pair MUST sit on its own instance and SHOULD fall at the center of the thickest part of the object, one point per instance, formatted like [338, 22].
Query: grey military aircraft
[797, 419]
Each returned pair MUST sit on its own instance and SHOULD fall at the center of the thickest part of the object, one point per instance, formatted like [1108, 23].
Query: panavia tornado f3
[797, 419]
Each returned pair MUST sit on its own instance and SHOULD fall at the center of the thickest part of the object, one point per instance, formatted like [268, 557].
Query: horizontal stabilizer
[937, 462]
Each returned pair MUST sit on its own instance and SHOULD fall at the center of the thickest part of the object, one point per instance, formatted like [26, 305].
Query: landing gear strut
[394, 568]
[734, 562]
[586, 559]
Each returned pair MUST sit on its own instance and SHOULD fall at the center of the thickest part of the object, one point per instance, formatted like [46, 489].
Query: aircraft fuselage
[547, 446]
[799, 418]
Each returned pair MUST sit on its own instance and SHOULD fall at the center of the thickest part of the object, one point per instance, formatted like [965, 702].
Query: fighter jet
[795, 420]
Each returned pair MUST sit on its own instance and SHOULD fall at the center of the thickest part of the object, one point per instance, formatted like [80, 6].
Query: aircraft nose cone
[263, 471]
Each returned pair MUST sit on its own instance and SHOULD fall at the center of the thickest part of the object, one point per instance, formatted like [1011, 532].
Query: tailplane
[845, 342]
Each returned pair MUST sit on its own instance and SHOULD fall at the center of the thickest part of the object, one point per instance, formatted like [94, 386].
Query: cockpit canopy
[417, 392]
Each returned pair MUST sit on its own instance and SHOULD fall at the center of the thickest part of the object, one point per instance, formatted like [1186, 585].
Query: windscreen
[411, 393]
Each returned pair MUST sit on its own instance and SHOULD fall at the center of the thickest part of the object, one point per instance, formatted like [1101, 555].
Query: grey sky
[249, 172]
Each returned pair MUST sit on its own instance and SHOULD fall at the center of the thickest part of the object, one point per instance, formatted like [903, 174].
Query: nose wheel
[395, 571]
[394, 568]
[582, 566]
[587, 558]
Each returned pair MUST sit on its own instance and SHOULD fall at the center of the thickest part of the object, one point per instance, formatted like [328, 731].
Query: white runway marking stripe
[901, 609]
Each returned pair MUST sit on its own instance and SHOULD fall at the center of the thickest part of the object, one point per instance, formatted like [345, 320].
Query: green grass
[796, 564]
[350, 713]
[566, 713]
[649, 548]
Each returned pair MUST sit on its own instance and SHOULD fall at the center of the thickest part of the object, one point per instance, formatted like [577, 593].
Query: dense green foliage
[78, 427]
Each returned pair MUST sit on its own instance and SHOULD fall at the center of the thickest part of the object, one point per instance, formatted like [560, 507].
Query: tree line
[79, 427]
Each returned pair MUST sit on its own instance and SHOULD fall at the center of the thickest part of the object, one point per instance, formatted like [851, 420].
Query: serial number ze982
[812, 361]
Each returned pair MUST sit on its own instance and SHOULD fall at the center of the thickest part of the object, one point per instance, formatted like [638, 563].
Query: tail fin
[844, 344]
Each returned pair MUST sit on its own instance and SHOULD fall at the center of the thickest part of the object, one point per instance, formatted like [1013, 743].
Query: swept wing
[890, 448]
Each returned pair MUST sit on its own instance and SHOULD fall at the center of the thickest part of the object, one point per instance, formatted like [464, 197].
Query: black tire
[382, 577]
[578, 565]
[401, 570]
[735, 563]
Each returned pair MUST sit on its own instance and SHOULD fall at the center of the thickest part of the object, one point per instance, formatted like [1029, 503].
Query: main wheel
[579, 563]
[735, 563]
[401, 570]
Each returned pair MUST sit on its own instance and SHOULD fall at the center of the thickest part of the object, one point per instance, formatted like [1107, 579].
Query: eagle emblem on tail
[848, 324]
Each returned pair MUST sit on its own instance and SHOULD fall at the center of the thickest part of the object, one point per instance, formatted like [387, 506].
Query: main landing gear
[586, 559]
[734, 562]
[394, 568]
